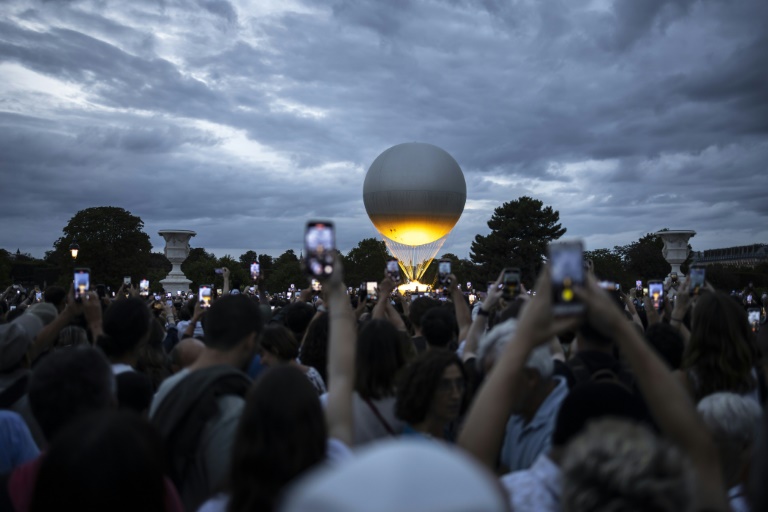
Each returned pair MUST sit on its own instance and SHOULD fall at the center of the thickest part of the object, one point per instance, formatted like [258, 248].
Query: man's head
[231, 321]
[418, 308]
[619, 465]
[438, 327]
[68, 384]
[185, 352]
[57, 296]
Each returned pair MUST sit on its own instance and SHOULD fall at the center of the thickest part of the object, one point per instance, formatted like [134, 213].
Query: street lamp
[74, 249]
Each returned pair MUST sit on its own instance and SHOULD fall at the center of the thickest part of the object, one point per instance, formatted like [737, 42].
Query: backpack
[181, 418]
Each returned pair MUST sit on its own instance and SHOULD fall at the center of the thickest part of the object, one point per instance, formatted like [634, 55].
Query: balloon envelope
[414, 193]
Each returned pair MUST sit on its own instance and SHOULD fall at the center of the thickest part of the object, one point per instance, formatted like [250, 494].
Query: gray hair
[734, 422]
[616, 466]
[493, 342]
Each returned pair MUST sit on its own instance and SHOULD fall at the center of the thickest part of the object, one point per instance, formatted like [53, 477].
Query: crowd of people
[329, 401]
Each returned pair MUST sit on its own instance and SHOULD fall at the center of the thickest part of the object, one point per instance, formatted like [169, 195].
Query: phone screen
[319, 244]
[204, 296]
[127, 280]
[697, 279]
[567, 266]
[443, 271]
[638, 284]
[510, 283]
[255, 270]
[82, 282]
[370, 289]
[393, 269]
[656, 291]
[316, 286]
[144, 287]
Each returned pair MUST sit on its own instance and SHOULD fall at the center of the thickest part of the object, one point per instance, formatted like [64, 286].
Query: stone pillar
[176, 250]
[675, 249]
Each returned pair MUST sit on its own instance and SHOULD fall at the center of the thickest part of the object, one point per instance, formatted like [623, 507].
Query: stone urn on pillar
[675, 249]
[176, 250]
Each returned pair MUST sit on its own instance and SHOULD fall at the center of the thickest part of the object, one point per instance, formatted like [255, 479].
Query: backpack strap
[381, 418]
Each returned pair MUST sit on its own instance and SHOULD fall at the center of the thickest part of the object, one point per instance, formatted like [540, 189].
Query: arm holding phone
[479, 325]
[463, 314]
[225, 277]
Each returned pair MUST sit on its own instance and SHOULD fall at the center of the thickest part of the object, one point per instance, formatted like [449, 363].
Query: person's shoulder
[218, 503]
[165, 387]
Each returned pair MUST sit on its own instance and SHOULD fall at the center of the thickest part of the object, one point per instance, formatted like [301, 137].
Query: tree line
[113, 244]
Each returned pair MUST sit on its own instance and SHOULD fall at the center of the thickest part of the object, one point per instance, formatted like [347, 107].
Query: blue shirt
[16, 443]
[524, 443]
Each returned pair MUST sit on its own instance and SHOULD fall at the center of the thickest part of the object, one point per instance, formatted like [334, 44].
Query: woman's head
[721, 350]
[379, 359]
[281, 434]
[278, 345]
[432, 387]
[314, 346]
[126, 325]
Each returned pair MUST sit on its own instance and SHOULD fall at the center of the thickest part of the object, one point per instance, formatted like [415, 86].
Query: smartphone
[753, 314]
[614, 290]
[178, 293]
[510, 283]
[127, 280]
[82, 282]
[393, 269]
[673, 278]
[289, 295]
[316, 286]
[255, 270]
[144, 288]
[157, 298]
[566, 261]
[38, 296]
[698, 275]
[101, 290]
[362, 292]
[469, 286]
[656, 291]
[319, 246]
[204, 295]
[443, 271]
[371, 288]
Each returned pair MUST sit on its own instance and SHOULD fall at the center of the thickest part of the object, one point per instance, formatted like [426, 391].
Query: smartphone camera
[204, 295]
[510, 283]
[656, 292]
[393, 269]
[82, 282]
[443, 271]
[319, 245]
[567, 267]
[698, 275]
[255, 270]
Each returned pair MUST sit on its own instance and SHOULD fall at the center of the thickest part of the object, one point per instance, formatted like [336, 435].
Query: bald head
[185, 353]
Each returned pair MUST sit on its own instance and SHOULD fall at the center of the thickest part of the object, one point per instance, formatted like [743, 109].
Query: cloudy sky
[241, 119]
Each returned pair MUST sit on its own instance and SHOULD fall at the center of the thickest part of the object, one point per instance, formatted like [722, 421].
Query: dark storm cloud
[241, 121]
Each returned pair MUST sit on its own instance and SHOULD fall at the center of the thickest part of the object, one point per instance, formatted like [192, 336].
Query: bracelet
[482, 312]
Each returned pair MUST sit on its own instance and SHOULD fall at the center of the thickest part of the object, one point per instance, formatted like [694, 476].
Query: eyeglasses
[449, 385]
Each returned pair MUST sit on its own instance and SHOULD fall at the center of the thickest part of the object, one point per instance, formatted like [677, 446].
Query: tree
[285, 272]
[112, 244]
[366, 262]
[520, 232]
[643, 259]
[199, 267]
[608, 265]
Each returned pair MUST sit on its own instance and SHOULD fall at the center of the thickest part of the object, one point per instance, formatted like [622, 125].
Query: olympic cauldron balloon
[414, 193]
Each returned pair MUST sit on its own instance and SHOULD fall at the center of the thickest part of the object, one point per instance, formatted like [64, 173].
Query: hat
[235, 292]
[44, 311]
[15, 339]
[401, 474]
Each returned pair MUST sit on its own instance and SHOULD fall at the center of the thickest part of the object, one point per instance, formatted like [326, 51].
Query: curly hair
[721, 353]
[419, 384]
[617, 466]
[314, 346]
